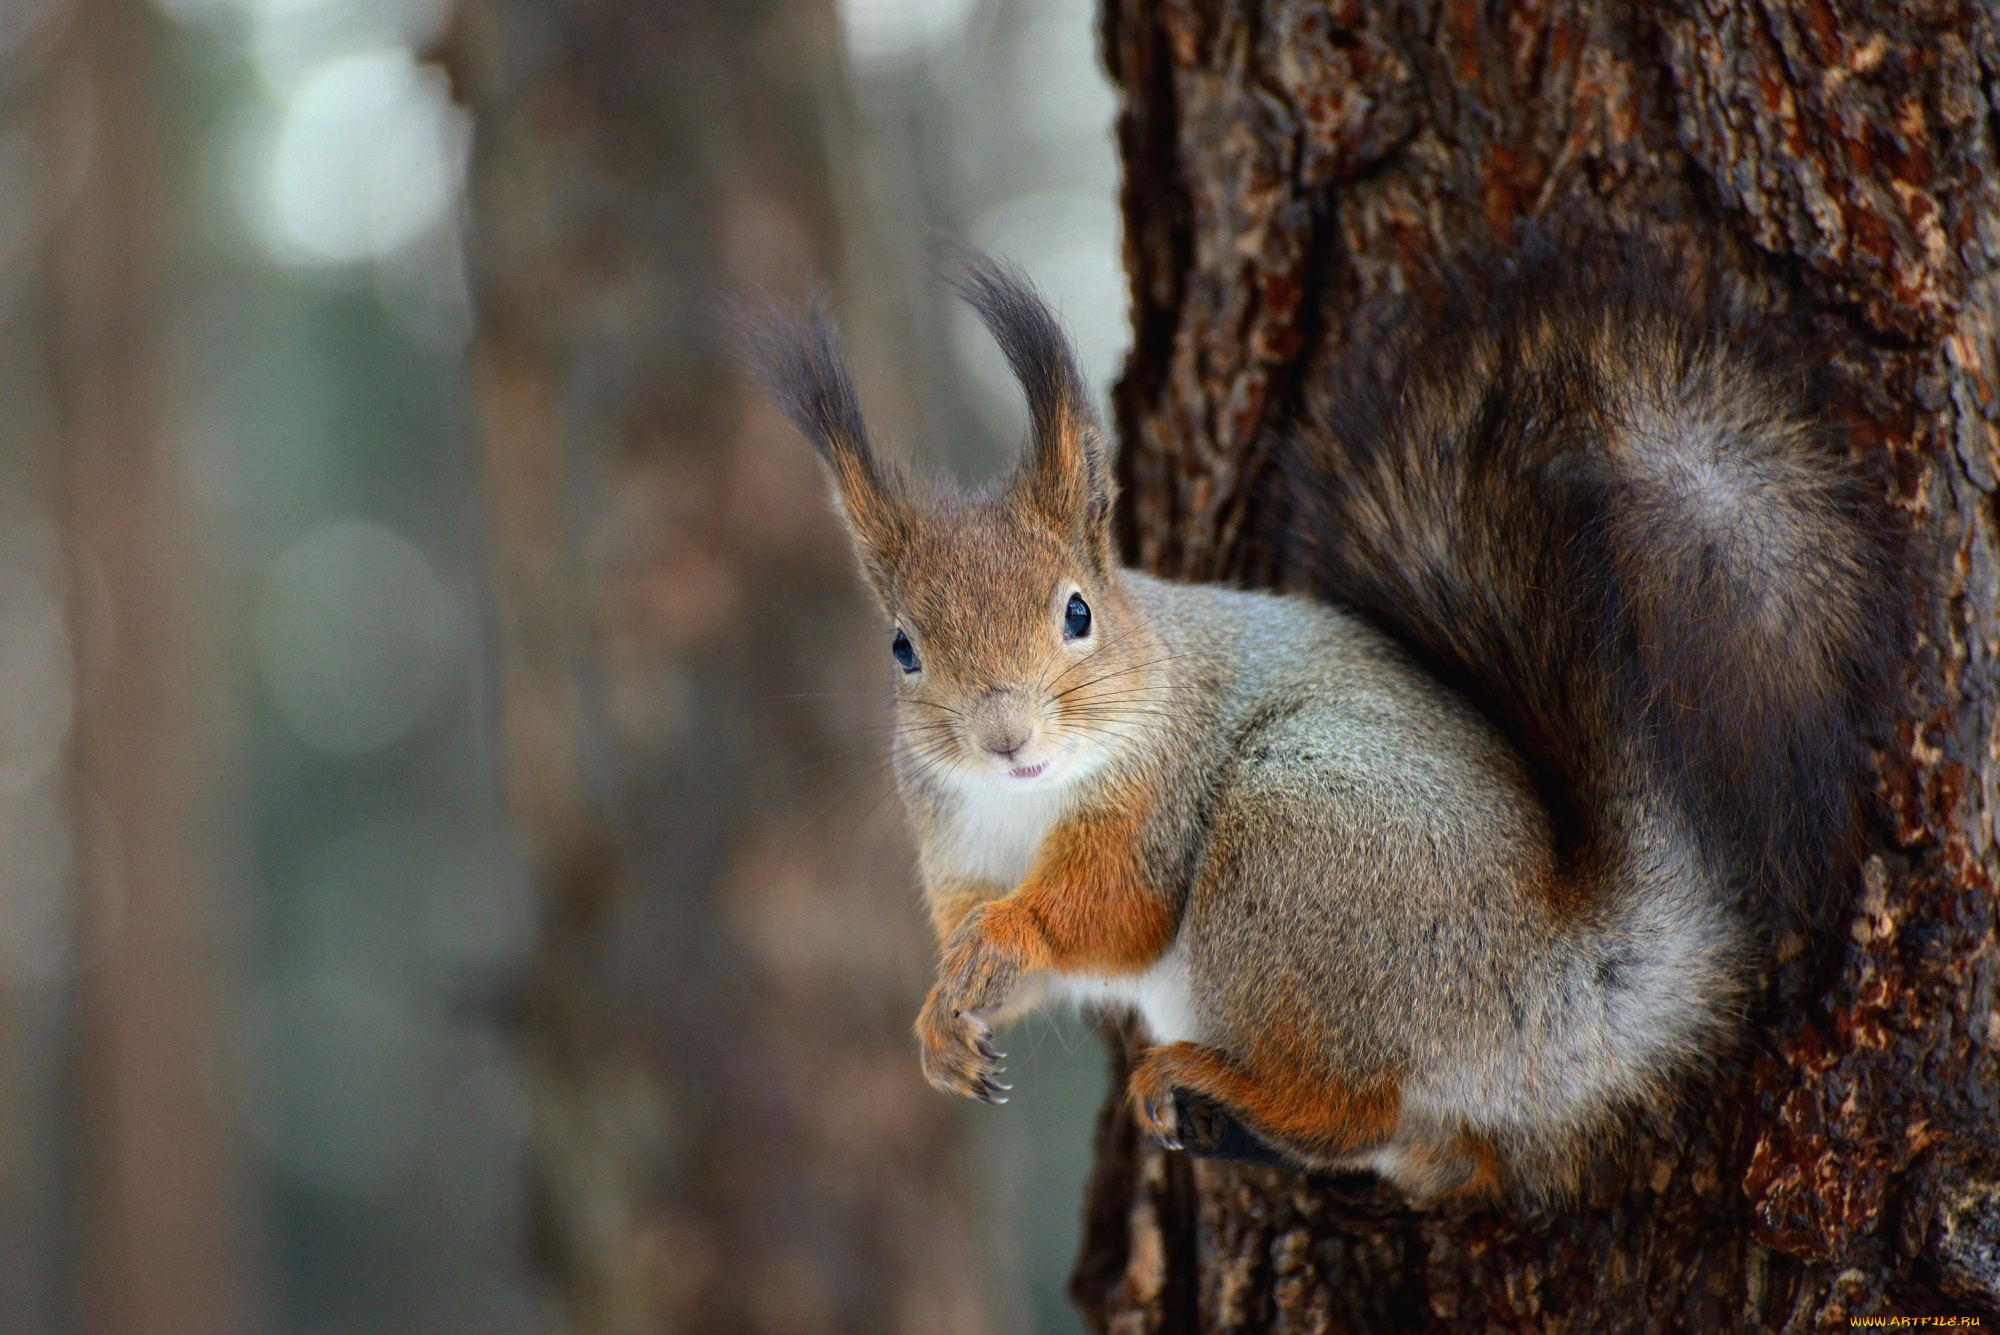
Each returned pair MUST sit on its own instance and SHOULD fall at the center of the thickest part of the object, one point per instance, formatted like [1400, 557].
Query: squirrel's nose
[1002, 726]
[1005, 740]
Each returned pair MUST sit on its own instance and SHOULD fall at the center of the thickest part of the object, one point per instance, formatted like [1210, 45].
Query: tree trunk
[730, 1130]
[1294, 168]
[158, 1237]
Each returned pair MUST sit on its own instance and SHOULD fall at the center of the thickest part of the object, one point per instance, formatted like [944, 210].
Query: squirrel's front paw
[975, 979]
[957, 1051]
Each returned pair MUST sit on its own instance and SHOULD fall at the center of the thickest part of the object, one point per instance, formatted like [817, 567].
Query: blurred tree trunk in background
[730, 1129]
[157, 1234]
[1292, 170]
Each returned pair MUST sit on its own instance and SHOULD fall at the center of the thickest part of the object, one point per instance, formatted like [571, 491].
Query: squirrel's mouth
[1027, 771]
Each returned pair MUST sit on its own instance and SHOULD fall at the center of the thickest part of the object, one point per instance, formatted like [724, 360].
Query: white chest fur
[1160, 995]
[997, 834]
[997, 831]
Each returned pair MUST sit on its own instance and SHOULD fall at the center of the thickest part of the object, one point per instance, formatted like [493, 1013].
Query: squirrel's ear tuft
[1067, 472]
[799, 361]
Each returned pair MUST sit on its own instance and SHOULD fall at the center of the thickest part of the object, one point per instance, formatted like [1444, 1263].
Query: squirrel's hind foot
[1190, 1095]
[1210, 1131]
[1192, 1098]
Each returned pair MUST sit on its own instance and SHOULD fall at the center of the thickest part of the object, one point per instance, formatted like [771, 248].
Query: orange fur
[1462, 1166]
[1280, 1100]
[1484, 1179]
[951, 901]
[1088, 906]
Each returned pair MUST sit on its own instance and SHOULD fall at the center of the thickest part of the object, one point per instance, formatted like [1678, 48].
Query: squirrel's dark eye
[905, 655]
[1076, 618]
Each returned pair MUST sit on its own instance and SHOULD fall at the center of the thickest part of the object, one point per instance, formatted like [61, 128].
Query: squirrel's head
[1018, 657]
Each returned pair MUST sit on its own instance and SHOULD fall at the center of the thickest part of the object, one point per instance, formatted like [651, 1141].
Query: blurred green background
[447, 878]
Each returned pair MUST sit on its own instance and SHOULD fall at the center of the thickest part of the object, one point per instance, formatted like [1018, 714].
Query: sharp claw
[1156, 1124]
[997, 1085]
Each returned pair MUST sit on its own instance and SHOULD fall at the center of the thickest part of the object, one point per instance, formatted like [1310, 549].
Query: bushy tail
[1621, 529]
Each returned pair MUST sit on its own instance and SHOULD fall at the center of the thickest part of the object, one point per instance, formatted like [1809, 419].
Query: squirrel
[1451, 858]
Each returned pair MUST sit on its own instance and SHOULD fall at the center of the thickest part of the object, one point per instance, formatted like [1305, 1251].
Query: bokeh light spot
[369, 155]
[357, 637]
[35, 688]
[341, 1099]
[37, 883]
[895, 32]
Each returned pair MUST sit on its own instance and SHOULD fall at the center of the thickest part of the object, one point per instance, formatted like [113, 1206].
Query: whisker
[1120, 672]
[1109, 644]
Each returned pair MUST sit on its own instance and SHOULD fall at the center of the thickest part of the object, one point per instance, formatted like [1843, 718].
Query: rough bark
[1295, 168]
[730, 1132]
